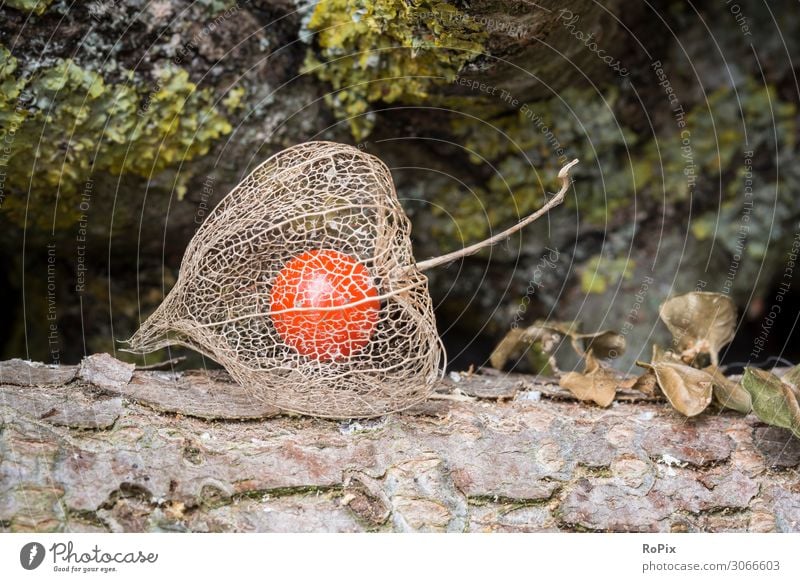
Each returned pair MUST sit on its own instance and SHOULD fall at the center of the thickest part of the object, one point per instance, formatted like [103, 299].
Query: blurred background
[123, 122]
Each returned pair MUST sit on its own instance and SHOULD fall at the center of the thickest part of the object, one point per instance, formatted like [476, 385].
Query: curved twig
[563, 175]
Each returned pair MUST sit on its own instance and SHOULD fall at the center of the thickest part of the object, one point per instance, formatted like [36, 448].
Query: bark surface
[105, 447]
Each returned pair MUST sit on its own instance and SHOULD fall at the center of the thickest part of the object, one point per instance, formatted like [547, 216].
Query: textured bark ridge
[105, 447]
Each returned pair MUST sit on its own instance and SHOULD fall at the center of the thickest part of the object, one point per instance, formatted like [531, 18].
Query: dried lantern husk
[317, 195]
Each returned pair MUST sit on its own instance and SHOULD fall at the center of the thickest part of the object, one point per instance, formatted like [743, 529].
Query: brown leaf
[729, 394]
[700, 323]
[510, 345]
[605, 344]
[662, 355]
[541, 343]
[596, 384]
[591, 363]
[774, 402]
[568, 328]
[792, 376]
[646, 383]
[687, 389]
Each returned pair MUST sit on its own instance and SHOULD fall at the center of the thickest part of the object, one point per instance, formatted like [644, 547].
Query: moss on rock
[63, 123]
[680, 165]
[388, 51]
[34, 6]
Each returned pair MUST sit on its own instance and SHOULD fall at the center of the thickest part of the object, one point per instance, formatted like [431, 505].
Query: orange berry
[319, 279]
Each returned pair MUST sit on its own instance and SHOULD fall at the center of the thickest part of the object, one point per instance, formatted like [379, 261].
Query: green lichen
[600, 272]
[619, 166]
[388, 51]
[64, 123]
[34, 6]
[718, 137]
[758, 203]
[233, 101]
[527, 146]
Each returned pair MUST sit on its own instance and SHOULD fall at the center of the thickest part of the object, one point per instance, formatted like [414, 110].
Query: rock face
[127, 121]
[524, 457]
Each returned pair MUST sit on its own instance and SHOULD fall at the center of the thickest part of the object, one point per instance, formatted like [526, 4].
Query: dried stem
[563, 175]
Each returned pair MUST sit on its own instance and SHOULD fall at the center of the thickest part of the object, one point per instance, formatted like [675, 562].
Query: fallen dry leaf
[606, 343]
[645, 383]
[595, 384]
[700, 323]
[688, 389]
[729, 394]
[537, 341]
[792, 376]
[775, 402]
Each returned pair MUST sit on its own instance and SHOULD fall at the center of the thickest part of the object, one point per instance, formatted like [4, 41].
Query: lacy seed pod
[302, 284]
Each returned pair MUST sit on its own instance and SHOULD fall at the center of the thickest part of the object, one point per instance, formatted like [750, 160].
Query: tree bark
[105, 447]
